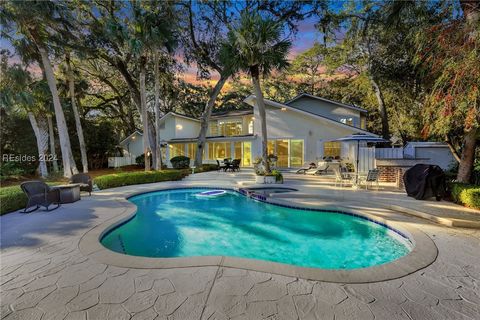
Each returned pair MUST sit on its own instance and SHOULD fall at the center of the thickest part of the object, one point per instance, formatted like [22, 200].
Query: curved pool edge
[424, 251]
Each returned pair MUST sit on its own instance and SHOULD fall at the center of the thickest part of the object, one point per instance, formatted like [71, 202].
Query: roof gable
[279, 105]
[306, 95]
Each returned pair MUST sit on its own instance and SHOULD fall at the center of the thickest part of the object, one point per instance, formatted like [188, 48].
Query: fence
[115, 162]
[389, 153]
[366, 157]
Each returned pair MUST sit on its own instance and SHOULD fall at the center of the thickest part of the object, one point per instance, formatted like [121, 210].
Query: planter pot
[265, 179]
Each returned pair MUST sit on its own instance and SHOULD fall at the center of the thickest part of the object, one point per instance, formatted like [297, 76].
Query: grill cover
[423, 181]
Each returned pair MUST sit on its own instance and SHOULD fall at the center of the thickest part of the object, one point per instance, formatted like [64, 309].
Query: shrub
[11, 199]
[466, 194]
[180, 162]
[278, 176]
[129, 178]
[140, 160]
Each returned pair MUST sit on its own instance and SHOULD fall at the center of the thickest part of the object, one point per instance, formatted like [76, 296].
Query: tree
[448, 53]
[258, 45]
[78, 123]
[18, 90]
[307, 65]
[39, 24]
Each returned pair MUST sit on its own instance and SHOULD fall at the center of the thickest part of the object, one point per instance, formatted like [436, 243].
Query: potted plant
[263, 177]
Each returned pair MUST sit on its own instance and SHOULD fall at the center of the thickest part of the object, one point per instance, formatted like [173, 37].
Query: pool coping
[424, 250]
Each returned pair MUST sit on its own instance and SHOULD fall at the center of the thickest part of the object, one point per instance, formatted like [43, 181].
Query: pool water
[176, 223]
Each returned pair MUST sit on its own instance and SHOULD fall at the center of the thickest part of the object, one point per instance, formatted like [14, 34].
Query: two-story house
[299, 131]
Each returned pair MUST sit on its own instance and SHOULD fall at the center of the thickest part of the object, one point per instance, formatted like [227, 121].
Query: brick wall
[392, 170]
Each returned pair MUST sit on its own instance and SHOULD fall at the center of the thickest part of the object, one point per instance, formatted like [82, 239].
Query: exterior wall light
[179, 126]
[284, 109]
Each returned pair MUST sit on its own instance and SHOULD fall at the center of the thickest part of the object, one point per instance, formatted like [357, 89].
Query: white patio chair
[342, 178]
[371, 178]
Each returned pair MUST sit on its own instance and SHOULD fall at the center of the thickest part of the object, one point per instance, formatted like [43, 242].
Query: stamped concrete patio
[44, 275]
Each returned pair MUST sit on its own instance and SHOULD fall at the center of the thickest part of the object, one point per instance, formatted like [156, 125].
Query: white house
[299, 131]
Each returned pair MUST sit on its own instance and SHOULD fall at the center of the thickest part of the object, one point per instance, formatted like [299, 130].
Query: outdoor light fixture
[284, 109]
[253, 118]
[179, 126]
[133, 138]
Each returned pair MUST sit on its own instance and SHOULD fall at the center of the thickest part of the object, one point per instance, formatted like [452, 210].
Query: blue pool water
[176, 223]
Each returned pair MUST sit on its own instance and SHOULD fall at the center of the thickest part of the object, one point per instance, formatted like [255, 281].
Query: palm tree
[40, 23]
[257, 44]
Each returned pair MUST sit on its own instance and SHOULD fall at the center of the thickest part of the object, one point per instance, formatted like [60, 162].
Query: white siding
[441, 156]
[290, 124]
[326, 109]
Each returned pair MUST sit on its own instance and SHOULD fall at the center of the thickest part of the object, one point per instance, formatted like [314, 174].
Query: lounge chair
[40, 194]
[372, 177]
[342, 177]
[84, 181]
[304, 169]
[321, 168]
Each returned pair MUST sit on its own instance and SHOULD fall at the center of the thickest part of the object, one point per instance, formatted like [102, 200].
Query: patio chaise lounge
[40, 194]
[84, 181]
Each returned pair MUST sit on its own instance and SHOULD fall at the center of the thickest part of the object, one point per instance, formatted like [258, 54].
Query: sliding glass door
[289, 152]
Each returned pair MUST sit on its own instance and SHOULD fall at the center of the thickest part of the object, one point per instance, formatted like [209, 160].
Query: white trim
[250, 98]
[327, 100]
[173, 114]
[136, 131]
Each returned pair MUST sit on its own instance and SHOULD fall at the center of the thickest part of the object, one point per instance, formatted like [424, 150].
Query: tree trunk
[78, 124]
[263, 119]
[381, 108]
[42, 144]
[69, 166]
[468, 156]
[158, 150]
[205, 119]
[144, 113]
[53, 153]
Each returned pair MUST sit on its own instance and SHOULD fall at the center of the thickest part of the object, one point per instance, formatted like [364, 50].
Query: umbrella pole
[358, 160]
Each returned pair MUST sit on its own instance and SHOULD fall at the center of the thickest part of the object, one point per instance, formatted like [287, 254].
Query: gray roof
[350, 106]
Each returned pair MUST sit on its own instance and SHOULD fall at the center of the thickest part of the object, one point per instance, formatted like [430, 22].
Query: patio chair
[304, 169]
[220, 167]
[321, 168]
[40, 194]
[342, 177]
[235, 165]
[372, 177]
[84, 181]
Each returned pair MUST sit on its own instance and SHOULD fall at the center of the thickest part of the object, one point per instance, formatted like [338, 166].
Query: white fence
[366, 159]
[115, 162]
[389, 153]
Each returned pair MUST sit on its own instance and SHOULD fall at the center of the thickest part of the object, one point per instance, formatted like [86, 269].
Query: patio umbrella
[360, 137]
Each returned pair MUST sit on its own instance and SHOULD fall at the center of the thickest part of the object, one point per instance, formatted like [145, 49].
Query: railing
[115, 162]
[389, 153]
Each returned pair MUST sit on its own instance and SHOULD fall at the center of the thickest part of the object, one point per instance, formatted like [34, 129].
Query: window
[289, 152]
[250, 127]
[192, 150]
[348, 121]
[219, 150]
[213, 128]
[331, 149]
[230, 128]
[363, 123]
[296, 153]
[176, 149]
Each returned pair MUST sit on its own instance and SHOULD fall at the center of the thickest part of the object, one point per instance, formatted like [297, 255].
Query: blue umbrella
[360, 137]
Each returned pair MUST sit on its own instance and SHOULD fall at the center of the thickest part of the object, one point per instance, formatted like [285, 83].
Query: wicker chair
[84, 181]
[40, 194]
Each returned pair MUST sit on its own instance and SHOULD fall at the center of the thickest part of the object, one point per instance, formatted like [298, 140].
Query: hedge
[466, 194]
[139, 177]
[11, 199]
[180, 162]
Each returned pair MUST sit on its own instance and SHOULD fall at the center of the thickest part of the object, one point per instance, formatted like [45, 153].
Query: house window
[250, 127]
[219, 150]
[176, 149]
[230, 128]
[348, 121]
[296, 153]
[331, 149]
[214, 128]
[192, 150]
[363, 123]
[289, 152]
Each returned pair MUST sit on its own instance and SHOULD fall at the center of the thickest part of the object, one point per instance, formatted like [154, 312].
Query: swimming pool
[176, 223]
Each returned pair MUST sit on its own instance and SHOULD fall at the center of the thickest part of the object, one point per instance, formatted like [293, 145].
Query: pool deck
[45, 275]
